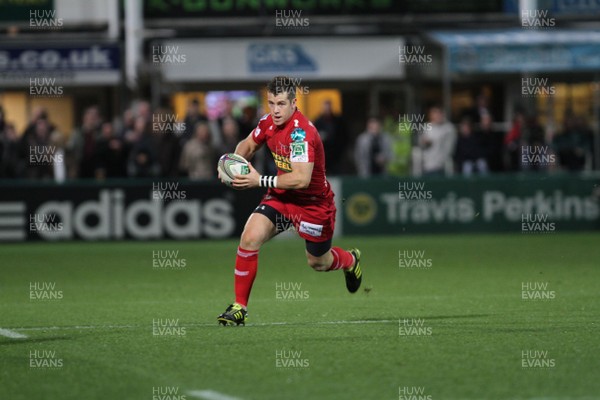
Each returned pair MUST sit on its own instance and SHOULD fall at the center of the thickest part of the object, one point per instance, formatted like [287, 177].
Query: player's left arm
[298, 178]
[302, 162]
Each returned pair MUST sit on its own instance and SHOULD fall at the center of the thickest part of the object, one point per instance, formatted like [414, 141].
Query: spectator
[38, 164]
[198, 159]
[168, 149]
[28, 136]
[142, 108]
[82, 145]
[492, 143]
[332, 132]
[401, 136]
[126, 124]
[224, 110]
[57, 147]
[574, 144]
[469, 154]
[112, 154]
[248, 120]
[231, 136]
[479, 110]
[586, 136]
[9, 152]
[513, 140]
[36, 114]
[533, 136]
[437, 144]
[192, 117]
[226, 106]
[143, 160]
[373, 150]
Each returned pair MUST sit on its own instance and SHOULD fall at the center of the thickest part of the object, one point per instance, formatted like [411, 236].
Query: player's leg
[258, 230]
[316, 226]
[319, 255]
[322, 257]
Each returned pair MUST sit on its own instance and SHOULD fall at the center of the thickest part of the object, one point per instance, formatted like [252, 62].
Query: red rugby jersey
[295, 141]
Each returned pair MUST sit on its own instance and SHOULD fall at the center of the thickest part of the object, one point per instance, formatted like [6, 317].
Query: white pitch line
[75, 327]
[359, 322]
[12, 334]
[538, 398]
[210, 395]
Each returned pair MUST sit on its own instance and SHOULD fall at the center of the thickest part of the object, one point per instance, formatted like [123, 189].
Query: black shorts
[281, 223]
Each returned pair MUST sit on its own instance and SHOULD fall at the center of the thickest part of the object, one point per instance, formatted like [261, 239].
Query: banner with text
[138, 210]
[69, 65]
[536, 204]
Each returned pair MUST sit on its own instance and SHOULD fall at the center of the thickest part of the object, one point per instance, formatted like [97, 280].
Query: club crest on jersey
[299, 152]
[298, 135]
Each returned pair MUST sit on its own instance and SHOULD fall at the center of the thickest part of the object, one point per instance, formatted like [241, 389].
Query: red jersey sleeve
[259, 134]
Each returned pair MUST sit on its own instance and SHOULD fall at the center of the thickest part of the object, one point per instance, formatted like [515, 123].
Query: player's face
[281, 107]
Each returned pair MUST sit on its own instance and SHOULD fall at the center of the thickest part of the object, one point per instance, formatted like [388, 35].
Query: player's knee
[250, 240]
[317, 264]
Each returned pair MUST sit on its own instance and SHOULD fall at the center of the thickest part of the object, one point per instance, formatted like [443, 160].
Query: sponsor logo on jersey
[282, 162]
[298, 134]
[311, 229]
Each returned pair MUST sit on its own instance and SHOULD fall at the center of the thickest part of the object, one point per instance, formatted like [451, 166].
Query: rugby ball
[230, 165]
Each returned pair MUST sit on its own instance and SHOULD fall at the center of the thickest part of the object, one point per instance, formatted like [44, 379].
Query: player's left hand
[248, 181]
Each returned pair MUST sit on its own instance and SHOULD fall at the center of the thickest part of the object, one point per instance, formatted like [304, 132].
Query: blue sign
[75, 58]
[521, 51]
[285, 57]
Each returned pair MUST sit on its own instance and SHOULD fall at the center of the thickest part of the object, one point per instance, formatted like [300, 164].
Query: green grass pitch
[458, 329]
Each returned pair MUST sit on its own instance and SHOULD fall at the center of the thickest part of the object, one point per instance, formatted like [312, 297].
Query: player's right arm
[247, 147]
[250, 145]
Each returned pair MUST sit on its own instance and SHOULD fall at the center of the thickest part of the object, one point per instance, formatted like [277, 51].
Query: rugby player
[298, 196]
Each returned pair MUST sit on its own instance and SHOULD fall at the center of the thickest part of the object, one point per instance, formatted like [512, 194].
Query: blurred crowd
[143, 143]
[146, 143]
[476, 145]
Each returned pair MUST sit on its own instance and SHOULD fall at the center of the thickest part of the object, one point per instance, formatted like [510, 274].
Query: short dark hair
[282, 84]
